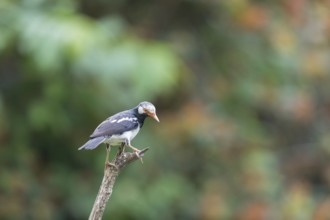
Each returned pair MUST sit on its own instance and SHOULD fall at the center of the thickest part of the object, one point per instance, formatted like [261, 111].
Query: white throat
[140, 110]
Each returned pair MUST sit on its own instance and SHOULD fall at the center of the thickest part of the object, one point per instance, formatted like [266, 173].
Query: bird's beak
[154, 116]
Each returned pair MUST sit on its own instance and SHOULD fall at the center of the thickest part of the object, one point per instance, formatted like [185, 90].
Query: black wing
[116, 125]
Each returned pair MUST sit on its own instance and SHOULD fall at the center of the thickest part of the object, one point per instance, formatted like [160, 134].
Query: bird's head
[148, 109]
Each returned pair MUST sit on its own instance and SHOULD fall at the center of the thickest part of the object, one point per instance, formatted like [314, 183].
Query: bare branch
[110, 174]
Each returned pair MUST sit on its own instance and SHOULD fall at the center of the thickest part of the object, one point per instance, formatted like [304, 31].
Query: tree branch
[109, 179]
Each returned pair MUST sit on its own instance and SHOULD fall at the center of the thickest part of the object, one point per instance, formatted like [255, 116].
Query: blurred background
[241, 88]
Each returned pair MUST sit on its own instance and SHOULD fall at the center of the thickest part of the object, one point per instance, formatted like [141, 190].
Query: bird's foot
[137, 152]
[108, 164]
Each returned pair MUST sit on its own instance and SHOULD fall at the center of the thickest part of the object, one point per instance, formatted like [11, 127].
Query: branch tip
[141, 153]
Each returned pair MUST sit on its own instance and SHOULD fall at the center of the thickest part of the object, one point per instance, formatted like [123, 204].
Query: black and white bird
[121, 128]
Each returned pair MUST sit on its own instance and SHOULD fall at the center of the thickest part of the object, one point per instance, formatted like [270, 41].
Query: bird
[120, 129]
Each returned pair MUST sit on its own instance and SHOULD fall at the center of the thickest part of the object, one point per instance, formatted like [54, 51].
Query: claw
[108, 164]
[137, 152]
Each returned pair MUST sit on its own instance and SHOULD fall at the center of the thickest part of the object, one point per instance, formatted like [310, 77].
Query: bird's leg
[136, 151]
[107, 163]
[108, 149]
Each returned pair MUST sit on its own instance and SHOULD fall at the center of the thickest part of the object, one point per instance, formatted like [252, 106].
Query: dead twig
[109, 179]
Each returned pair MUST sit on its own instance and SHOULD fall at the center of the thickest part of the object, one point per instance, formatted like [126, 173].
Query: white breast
[117, 139]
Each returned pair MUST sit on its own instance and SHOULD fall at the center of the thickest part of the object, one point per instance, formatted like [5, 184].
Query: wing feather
[116, 125]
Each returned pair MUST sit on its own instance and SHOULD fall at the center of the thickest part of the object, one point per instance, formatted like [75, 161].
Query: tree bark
[110, 174]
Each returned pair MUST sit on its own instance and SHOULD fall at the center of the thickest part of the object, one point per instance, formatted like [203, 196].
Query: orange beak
[154, 116]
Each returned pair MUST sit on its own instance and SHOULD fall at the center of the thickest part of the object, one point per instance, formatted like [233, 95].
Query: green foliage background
[241, 88]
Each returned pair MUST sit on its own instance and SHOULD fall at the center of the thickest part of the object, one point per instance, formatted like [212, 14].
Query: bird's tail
[92, 143]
